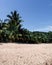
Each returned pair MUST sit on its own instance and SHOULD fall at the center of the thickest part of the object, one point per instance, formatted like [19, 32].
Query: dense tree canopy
[11, 31]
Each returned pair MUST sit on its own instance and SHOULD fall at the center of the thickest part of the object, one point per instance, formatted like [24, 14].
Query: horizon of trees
[11, 31]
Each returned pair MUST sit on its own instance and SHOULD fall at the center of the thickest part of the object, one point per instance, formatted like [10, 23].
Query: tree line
[11, 31]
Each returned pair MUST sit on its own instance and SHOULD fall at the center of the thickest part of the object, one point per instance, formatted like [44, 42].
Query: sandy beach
[25, 54]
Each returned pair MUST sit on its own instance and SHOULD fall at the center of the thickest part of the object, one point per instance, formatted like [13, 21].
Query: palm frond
[9, 16]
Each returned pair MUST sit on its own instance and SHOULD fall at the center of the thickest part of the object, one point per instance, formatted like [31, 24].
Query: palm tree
[14, 24]
[14, 20]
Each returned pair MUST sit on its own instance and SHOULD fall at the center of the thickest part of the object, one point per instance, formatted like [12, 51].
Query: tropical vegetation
[11, 30]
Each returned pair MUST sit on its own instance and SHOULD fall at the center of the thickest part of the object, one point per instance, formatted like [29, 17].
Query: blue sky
[37, 14]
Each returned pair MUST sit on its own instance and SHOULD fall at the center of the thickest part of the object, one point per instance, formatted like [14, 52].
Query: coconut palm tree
[14, 24]
[14, 20]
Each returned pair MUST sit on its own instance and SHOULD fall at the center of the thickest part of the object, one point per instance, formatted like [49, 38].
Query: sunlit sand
[25, 54]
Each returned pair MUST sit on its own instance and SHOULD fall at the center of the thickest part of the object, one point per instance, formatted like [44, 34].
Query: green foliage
[11, 31]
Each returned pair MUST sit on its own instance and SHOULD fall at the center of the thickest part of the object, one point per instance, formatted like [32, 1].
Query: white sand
[25, 54]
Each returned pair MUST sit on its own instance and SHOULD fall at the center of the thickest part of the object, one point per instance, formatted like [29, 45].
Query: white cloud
[45, 29]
